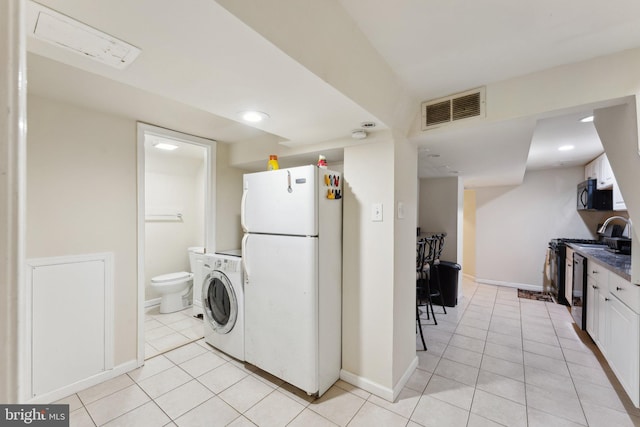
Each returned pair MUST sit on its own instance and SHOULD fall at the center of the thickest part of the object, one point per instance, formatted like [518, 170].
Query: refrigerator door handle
[242, 210]
[245, 272]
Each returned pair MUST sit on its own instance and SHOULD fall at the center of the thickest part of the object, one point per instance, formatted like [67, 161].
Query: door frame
[209, 208]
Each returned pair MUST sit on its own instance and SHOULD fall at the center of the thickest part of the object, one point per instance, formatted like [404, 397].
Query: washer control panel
[224, 264]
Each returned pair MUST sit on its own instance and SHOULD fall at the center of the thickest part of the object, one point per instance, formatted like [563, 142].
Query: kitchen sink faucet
[627, 228]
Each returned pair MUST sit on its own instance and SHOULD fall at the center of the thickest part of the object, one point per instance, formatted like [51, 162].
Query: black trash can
[448, 272]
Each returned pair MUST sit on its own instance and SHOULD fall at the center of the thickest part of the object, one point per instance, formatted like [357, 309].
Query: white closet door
[68, 315]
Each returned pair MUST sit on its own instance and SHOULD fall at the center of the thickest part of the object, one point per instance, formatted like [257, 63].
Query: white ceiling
[200, 66]
[443, 47]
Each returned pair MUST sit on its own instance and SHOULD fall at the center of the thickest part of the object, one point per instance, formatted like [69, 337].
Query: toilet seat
[172, 278]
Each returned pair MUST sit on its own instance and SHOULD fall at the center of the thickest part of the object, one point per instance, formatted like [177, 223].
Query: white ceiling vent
[461, 106]
[53, 27]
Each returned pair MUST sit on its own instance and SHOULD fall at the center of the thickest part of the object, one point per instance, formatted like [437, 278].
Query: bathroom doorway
[175, 212]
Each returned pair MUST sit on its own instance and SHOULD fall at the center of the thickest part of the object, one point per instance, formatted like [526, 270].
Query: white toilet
[174, 287]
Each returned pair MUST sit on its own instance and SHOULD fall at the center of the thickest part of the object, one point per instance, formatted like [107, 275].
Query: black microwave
[592, 199]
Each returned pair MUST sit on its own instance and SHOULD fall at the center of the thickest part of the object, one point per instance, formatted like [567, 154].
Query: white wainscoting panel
[71, 316]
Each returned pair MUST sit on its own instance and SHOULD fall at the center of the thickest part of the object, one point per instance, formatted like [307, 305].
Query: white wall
[514, 224]
[440, 210]
[228, 195]
[469, 234]
[13, 117]
[81, 189]
[618, 130]
[368, 272]
[378, 290]
[176, 183]
[404, 283]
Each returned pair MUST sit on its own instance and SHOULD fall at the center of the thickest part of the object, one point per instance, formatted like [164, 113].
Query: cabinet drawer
[627, 292]
[598, 272]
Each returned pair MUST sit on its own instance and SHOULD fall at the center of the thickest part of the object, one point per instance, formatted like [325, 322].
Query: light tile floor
[495, 360]
[164, 332]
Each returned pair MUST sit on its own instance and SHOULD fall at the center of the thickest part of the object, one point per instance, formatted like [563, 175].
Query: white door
[592, 308]
[601, 332]
[281, 202]
[281, 307]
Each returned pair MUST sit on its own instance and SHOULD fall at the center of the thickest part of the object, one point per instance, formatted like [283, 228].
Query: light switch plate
[376, 212]
[400, 210]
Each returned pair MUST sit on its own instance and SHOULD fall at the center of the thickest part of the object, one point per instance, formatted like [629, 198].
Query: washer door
[219, 302]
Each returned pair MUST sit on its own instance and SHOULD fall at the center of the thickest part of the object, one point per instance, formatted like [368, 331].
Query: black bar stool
[422, 278]
[435, 244]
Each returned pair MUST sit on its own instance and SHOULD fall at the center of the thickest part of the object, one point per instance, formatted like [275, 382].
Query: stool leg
[430, 304]
[420, 328]
[440, 288]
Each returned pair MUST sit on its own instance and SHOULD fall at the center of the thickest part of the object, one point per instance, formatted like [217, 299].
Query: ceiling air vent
[452, 108]
[65, 32]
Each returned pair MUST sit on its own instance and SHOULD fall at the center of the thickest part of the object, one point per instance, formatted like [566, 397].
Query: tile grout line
[570, 376]
[440, 358]
[524, 368]
[475, 388]
[584, 414]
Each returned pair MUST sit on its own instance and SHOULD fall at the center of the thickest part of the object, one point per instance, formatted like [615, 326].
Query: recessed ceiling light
[566, 148]
[253, 116]
[587, 119]
[165, 146]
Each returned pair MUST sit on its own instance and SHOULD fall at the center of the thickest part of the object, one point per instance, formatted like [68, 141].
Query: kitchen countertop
[618, 263]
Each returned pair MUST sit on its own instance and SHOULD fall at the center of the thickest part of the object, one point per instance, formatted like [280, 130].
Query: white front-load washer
[223, 304]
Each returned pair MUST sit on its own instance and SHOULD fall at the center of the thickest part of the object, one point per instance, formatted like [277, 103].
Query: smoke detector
[358, 134]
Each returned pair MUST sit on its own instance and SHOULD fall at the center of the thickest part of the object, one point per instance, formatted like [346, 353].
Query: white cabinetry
[605, 174]
[596, 293]
[568, 275]
[600, 170]
[613, 322]
[618, 201]
[623, 352]
[593, 308]
[590, 170]
[601, 327]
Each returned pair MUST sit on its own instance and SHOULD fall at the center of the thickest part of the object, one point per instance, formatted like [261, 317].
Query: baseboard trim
[524, 286]
[405, 378]
[156, 302]
[367, 385]
[377, 389]
[65, 391]
[152, 302]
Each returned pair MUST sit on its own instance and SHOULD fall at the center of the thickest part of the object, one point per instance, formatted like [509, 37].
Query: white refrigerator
[292, 258]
